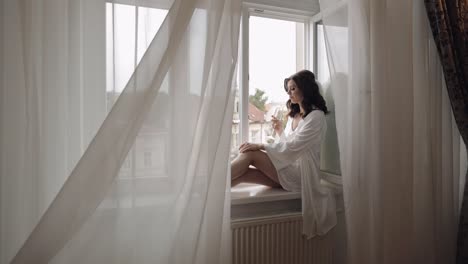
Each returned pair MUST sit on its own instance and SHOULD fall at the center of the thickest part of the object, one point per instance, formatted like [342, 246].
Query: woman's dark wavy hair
[305, 81]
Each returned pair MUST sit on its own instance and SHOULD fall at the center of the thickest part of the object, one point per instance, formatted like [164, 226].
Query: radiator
[278, 240]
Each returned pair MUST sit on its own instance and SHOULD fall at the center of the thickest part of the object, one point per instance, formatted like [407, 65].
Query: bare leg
[258, 159]
[255, 176]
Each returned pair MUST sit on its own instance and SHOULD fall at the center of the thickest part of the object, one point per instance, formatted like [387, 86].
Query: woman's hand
[277, 125]
[246, 146]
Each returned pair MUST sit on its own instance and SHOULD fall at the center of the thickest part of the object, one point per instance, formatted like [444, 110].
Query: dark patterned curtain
[449, 24]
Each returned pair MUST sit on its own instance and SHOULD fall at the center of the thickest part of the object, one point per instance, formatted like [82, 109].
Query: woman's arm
[285, 152]
[247, 146]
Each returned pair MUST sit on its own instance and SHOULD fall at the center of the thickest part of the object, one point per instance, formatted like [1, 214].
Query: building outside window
[147, 159]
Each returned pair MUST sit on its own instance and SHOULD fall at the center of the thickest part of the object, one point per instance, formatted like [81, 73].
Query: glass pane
[276, 51]
[146, 158]
[235, 127]
[323, 72]
[122, 39]
[235, 136]
[330, 154]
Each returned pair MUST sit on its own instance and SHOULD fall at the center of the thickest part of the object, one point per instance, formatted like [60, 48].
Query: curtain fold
[399, 144]
[151, 185]
[45, 85]
[449, 24]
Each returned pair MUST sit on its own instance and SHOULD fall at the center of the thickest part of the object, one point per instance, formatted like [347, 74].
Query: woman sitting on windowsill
[293, 163]
[280, 164]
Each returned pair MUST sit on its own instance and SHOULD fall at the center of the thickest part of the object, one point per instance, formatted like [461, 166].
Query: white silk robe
[296, 157]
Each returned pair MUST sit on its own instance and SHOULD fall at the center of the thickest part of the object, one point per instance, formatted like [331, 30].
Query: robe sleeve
[285, 152]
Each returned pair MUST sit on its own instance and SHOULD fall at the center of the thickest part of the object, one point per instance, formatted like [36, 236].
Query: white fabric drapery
[168, 204]
[399, 145]
[52, 64]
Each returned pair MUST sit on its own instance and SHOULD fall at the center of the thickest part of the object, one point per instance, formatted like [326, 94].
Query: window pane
[323, 72]
[235, 125]
[276, 51]
[330, 154]
[126, 45]
[121, 39]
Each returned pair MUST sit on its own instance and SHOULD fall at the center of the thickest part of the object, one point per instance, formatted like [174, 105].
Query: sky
[272, 56]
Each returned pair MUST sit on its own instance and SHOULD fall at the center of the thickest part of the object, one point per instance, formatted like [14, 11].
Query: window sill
[257, 201]
[248, 193]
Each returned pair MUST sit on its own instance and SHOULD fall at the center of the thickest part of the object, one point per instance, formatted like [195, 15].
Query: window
[338, 33]
[147, 161]
[274, 45]
[126, 164]
[125, 46]
[321, 62]
[255, 134]
[276, 50]
[235, 124]
[330, 155]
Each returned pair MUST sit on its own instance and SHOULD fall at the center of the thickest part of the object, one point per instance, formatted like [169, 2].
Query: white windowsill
[247, 193]
[257, 201]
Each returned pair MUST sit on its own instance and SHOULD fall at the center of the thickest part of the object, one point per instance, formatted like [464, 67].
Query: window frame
[158, 4]
[248, 10]
[131, 159]
[314, 22]
[310, 45]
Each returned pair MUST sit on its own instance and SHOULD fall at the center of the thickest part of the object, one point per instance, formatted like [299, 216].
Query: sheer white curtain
[399, 145]
[52, 66]
[165, 201]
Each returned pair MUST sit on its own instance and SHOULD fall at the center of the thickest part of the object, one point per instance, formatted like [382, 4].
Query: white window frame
[314, 21]
[147, 159]
[248, 10]
[132, 154]
[158, 4]
[310, 54]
